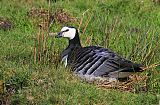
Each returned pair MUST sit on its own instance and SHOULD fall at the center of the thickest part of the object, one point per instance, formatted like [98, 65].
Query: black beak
[59, 35]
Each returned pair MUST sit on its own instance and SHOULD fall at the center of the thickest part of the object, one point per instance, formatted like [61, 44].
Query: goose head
[70, 33]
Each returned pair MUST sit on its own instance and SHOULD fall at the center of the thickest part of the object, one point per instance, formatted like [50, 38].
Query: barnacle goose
[93, 62]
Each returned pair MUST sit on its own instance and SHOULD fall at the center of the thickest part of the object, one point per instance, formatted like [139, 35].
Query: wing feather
[99, 61]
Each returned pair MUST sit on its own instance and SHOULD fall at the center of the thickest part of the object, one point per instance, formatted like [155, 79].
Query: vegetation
[29, 65]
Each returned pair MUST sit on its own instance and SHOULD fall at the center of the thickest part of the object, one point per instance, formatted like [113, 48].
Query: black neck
[75, 42]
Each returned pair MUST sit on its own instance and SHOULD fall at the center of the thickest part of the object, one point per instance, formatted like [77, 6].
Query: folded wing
[98, 61]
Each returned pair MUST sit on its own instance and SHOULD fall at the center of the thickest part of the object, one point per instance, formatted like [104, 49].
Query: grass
[130, 28]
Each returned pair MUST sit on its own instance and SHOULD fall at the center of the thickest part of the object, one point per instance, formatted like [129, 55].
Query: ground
[30, 71]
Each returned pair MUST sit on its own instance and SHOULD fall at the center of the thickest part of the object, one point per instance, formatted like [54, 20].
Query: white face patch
[68, 34]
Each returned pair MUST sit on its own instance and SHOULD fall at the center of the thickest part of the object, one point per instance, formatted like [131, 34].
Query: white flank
[64, 59]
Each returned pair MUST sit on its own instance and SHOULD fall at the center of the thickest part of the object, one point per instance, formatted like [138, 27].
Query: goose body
[94, 62]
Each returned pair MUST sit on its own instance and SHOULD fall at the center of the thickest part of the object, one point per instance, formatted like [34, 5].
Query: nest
[5, 24]
[135, 84]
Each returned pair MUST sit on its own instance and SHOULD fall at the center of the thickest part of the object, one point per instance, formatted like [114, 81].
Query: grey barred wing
[98, 61]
